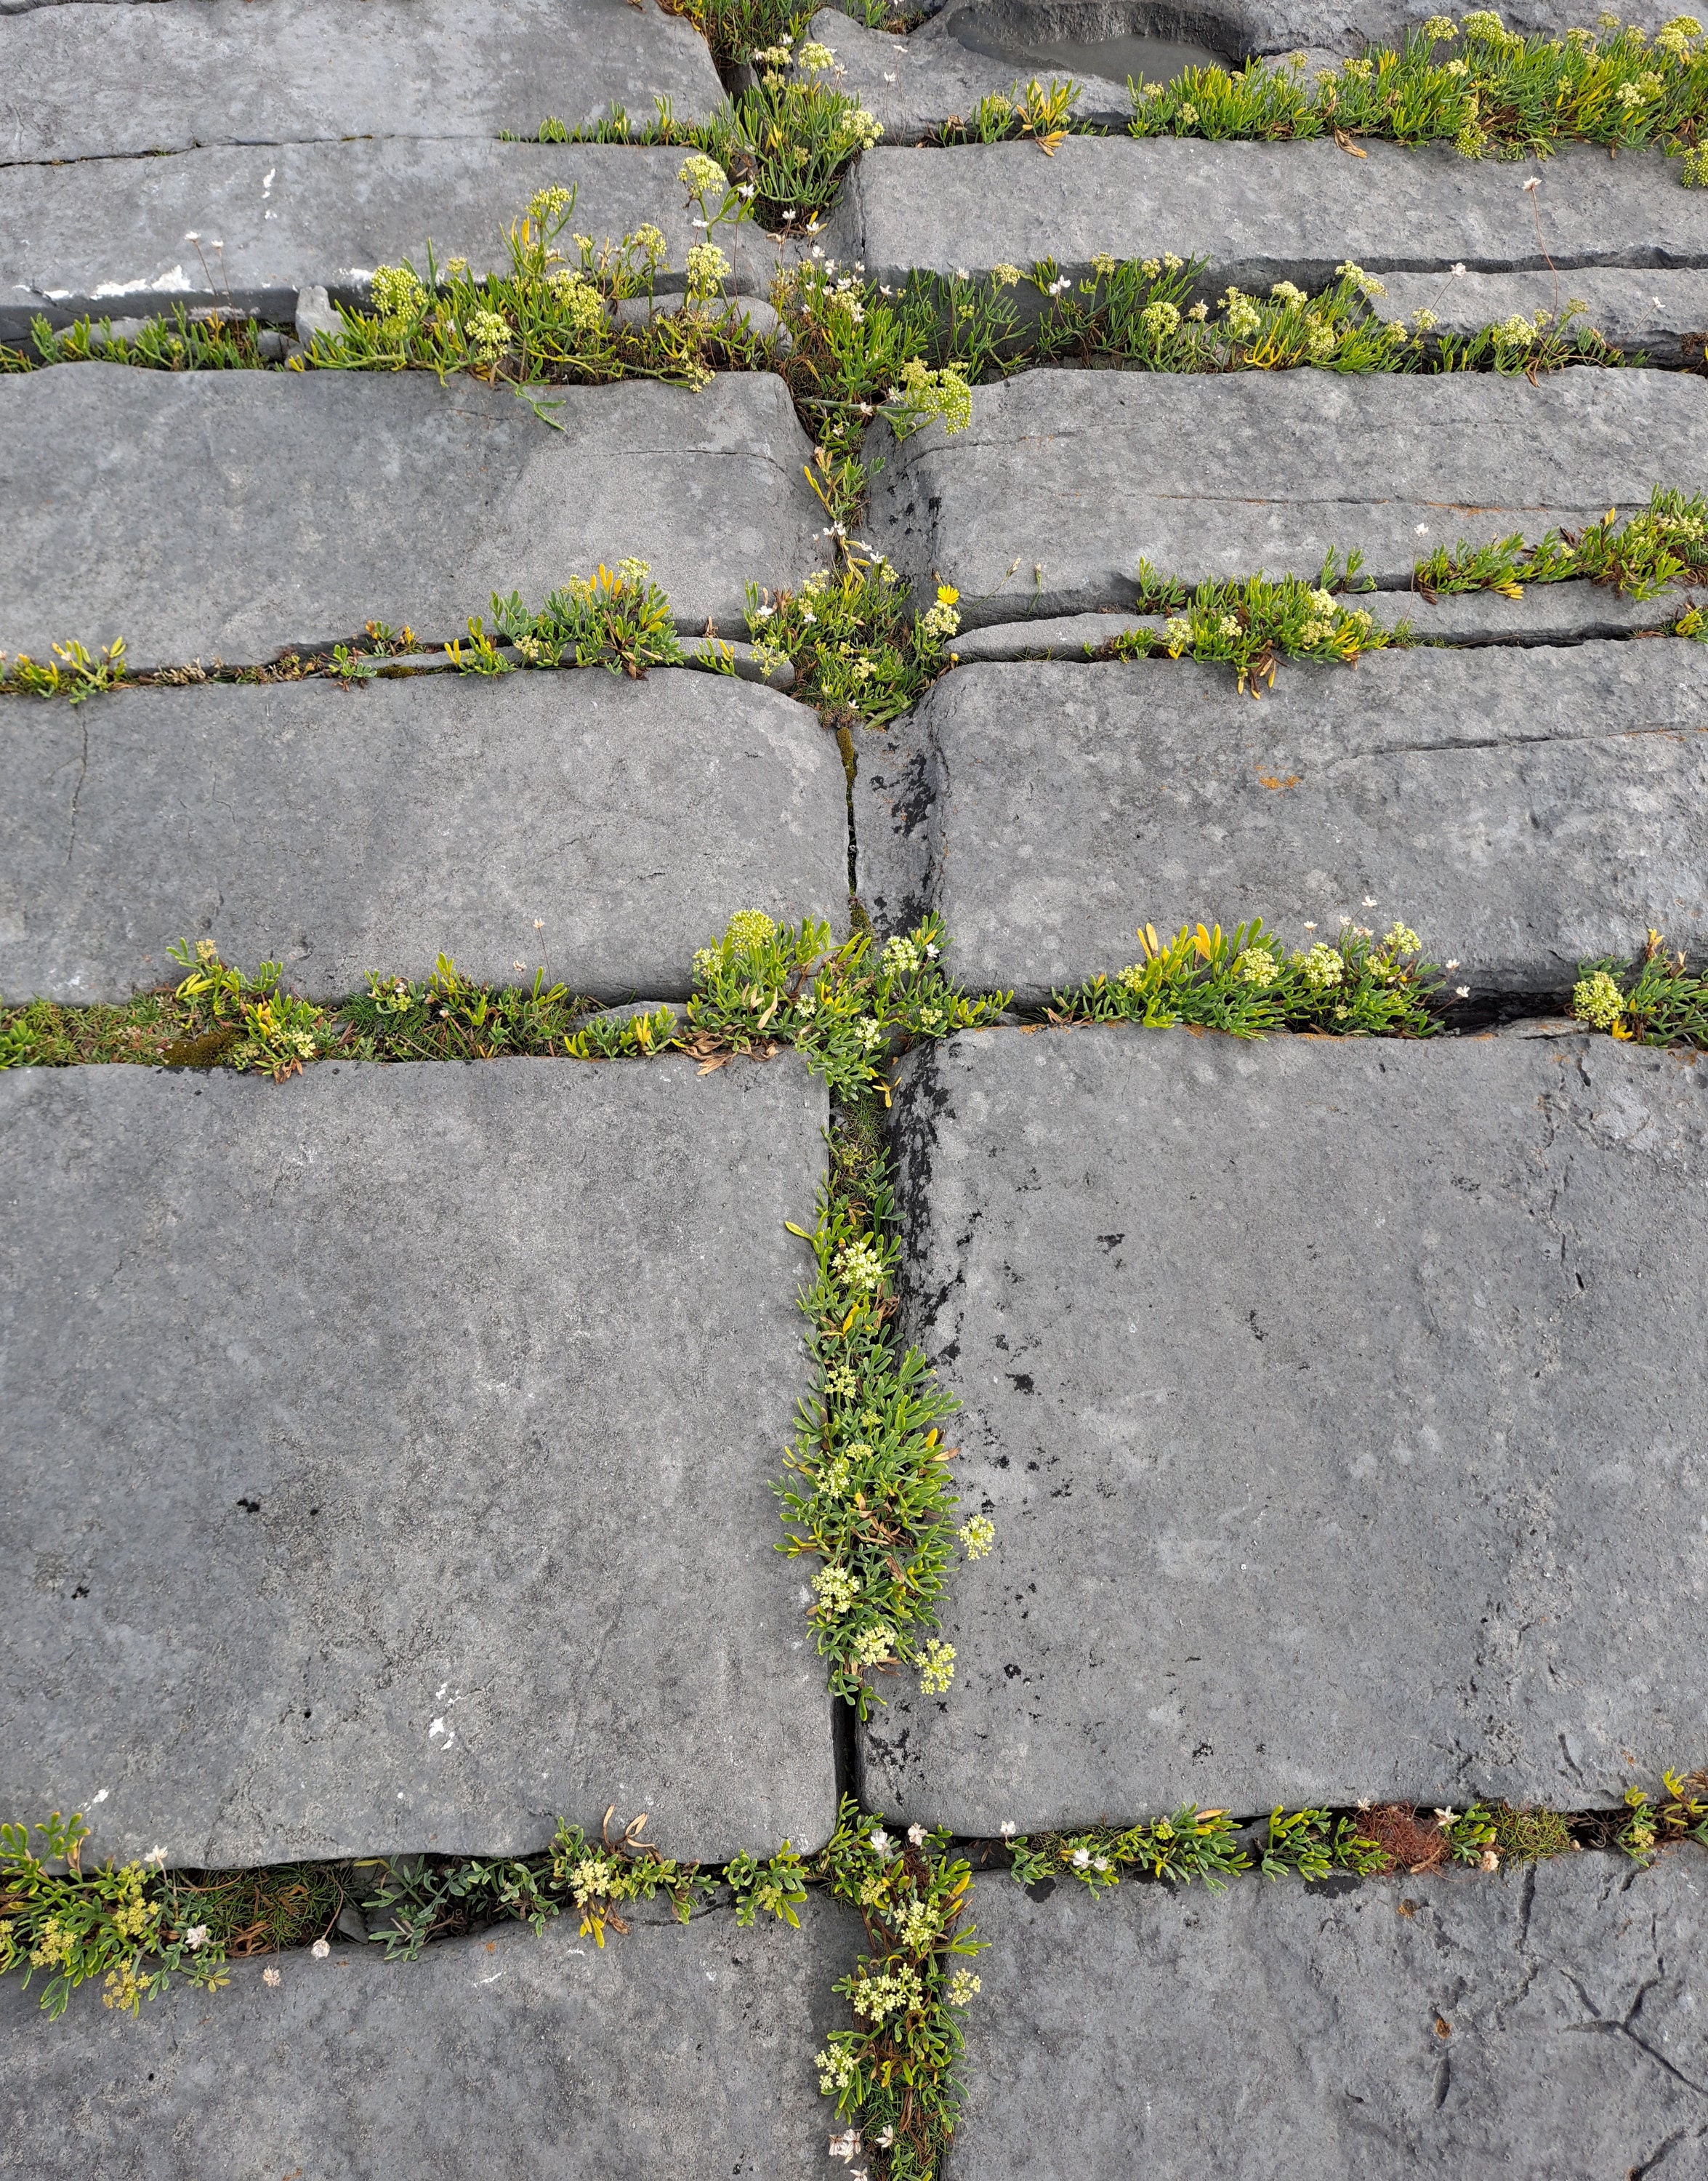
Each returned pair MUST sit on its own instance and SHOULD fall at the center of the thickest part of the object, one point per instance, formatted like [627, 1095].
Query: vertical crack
[82, 775]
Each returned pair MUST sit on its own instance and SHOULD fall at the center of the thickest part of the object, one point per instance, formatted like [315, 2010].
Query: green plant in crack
[1248, 985]
[110, 1923]
[1191, 1844]
[844, 1008]
[868, 1492]
[857, 642]
[620, 621]
[72, 672]
[1658, 1000]
[893, 2075]
[1253, 624]
[1476, 84]
[1663, 545]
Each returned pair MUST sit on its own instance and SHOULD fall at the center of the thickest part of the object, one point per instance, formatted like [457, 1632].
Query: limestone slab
[1547, 2021]
[1523, 811]
[387, 1455]
[1064, 480]
[1262, 213]
[113, 236]
[234, 514]
[105, 81]
[541, 820]
[530, 2047]
[1332, 1405]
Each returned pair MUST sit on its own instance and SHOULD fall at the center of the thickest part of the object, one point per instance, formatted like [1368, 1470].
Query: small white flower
[1532, 184]
[1370, 901]
[1008, 1829]
[1423, 530]
[916, 1833]
[1456, 272]
[319, 1950]
[156, 1856]
[1453, 964]
[1081, 1858]
[1310, 927]
[270, 1978]
[1463, 991]
[845, 2146]
[881, 1843]
[195, 1938]
[1444, 1818]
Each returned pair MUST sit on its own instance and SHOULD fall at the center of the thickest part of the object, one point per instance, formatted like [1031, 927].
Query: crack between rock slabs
[76, 793]
[1501, 742]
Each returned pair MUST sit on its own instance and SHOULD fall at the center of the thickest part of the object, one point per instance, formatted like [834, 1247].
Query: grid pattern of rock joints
[387, 1450]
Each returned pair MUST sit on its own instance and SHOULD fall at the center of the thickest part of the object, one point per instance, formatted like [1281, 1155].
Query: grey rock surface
[1332, 1403]
[269, 220]
[1523, 811]
[387, 1457]
[107, 80]
[1547, 2022]
[234, 514]
[1263, 212]
[1064, 480]
[1659, 315]
[686, 2051]
[539, 819]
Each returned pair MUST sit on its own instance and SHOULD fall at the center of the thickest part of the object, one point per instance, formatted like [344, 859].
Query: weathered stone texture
[106, 80]
[1065, 480]
[539, 819]
[234, 515]
[681, 2050]
[1548, 2021]
[1523, 811]
[1262, 213]
[1332, 1403]
[387, 1452]
[110, 236]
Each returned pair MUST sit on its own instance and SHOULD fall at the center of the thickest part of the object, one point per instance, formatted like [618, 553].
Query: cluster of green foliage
[893, 2074]
[1664, 544]
[1197, 1844]
[135, 1925]
[204, 341]
[620, 621]
[1247, 984]
[868, 1493]
[1657, 1000]
[860, 649]
[71, 673]
[845, 1009]
[1252, 624]
[1476, 84]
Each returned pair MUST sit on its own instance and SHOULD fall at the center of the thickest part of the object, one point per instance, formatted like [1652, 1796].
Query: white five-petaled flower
[1008, 1829]
[156, 1856]
[881, 1843]
[1463, 991]
[1532, 184]
[1081, 1857]
[1423, 530]
[1453, 964]
[1370, 901]
[845, 2146]
[1444, 1818]
[270, 1978]
[195, 1938]
[916, 1833]
[319, 1950]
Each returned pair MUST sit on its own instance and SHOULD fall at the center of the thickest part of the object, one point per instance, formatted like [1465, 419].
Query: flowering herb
[893, 2074]
[1664, 544]
[1657, 1001]
[859, 647]
[1248, 985]
[1253, 623]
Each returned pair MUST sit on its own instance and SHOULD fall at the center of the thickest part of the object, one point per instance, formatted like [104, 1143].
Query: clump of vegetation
[1658, 1000]
[1248, 985]
[868, 1493]
[859, 647]
[1476, 84]
[846, 1008]
[893, 2073]
[1253, 624]
[71, 673]
[1666, 542]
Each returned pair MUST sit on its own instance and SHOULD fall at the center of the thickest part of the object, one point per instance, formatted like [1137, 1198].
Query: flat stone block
[1333, 1405]
[387, 1457]
[1065, 480]
[107, 80]
[686, 2051]
[109, 236]
[1523, 810]
[340, 832]
[234, 514]
[1262, 213]
[1547, 2021]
